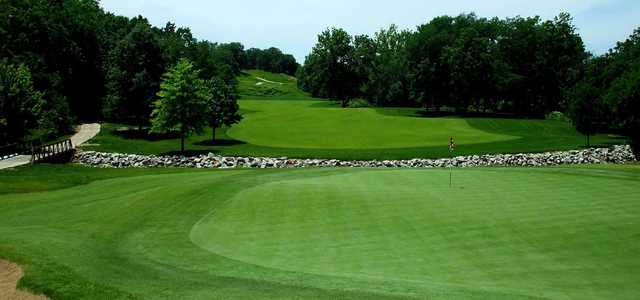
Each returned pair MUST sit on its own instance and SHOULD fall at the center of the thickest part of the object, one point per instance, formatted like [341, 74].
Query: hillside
[257, 84]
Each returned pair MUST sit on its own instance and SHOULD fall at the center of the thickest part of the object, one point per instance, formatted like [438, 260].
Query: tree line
[522, 66]
[608, 94]
[68, 61]
[517, 65]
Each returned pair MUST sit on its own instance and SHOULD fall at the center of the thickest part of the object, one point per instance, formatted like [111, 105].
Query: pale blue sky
[293, 25]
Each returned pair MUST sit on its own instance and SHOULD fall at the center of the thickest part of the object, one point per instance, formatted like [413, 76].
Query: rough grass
[499, 233]
[310, 129]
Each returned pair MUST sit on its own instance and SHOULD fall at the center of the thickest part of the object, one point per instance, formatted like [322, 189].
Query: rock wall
[614, 155]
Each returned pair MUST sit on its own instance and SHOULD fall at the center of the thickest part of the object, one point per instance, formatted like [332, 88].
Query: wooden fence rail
[12, 150]
[50, 151]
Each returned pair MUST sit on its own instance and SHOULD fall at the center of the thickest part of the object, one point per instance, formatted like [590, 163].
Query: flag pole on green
[452, 147]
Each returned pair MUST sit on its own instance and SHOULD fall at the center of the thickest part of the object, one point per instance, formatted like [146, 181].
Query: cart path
[85, 133]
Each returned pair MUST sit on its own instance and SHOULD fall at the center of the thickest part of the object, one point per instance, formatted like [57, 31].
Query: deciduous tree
[183, 104]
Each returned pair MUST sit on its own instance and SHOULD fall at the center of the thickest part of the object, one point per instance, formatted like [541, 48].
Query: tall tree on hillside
[586, 109]
[222, 104]
[386, 83]
[183, 104]
[21, 106]
[176, 43]
[329, 69]
[428, 75]
[624, 97]
[134, 69]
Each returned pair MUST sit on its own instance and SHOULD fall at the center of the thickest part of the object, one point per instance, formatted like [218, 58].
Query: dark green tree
[329, 70]
[586, 109]
[134, 69]
[222, 104]
[183, 104]
[21, 106]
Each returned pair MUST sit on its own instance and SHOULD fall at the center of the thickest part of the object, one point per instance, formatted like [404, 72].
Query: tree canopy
[183, 104]
[93, 65]
[522, 65]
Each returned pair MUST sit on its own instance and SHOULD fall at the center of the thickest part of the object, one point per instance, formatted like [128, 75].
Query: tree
[624, 97]
[586, 109]
[21, 106]
[428, 75]
[223, 105]
[329, 70]
[134, 70]
[183, 102]
[380, 64]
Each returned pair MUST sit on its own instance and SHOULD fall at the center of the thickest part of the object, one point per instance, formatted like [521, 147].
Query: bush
[557, 116]
[358, 103]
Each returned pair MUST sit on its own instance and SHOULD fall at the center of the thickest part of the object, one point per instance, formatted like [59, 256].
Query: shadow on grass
[190, 152]
[215, 147]
[143, 134]
[470, 114]
[219, 143]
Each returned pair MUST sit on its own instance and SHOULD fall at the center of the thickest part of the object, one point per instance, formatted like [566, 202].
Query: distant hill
[259, 84]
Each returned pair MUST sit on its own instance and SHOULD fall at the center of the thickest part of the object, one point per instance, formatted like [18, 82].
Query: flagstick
[450, 169]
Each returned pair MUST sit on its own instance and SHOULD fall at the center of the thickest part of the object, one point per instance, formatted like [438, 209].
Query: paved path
[269, 81]
[84, 134]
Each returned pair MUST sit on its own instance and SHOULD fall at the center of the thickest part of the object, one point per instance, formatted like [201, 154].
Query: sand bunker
[10, 273]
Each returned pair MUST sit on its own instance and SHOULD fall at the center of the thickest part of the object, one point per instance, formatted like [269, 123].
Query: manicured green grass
[499, 233]
[311, 129]
[256, 83]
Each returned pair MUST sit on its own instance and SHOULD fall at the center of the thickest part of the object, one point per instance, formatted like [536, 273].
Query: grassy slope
[282, 86]
[325, 234]
[311, 129]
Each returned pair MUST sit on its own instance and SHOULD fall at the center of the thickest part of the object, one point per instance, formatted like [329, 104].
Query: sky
[293, 25]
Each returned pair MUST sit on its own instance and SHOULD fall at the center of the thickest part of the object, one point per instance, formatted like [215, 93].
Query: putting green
[317, 125]
[499, 233]
[531, 232]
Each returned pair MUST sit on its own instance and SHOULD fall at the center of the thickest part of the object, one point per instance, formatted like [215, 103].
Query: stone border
[614, 155]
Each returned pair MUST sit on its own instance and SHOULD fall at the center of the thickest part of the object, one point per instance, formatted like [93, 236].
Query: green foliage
[522, 66]
[586, 109]
[610, 90]
[385, 67]
[222, 104]
[22, 108]
[557, 116]
[134, 69]
[271, 60]
[329, 70]
[58, 42]
[183, 104]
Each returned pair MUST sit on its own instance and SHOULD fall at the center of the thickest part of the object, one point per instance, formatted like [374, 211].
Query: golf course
[499, 233]
[164, 150]
[292, 124]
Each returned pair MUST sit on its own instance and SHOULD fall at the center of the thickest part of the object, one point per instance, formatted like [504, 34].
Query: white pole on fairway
[452, 146]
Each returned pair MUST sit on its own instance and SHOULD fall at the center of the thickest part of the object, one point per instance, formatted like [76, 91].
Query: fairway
[499, 233]
[305, 124]
[321, 129]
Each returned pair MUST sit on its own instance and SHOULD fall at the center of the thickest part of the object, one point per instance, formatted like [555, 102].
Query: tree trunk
[344, 103]
[213, 135]
[182, 143]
